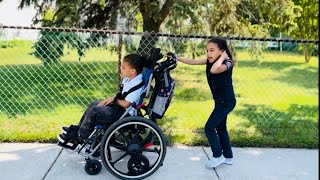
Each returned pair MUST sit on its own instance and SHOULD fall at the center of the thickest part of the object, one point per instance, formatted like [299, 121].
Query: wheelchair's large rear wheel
[139, 158]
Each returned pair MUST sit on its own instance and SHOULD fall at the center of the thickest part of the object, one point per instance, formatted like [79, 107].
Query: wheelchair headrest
[155, 56]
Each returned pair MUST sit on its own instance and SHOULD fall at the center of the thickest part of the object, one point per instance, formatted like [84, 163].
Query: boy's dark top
[221, 84]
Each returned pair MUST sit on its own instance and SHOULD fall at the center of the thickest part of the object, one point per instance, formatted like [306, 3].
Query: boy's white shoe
[214, 162]
[228, 161]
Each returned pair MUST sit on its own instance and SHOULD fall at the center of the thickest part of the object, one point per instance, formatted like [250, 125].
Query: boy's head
[132, 65]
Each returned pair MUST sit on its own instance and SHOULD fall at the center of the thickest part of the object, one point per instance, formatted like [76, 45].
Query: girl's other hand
[224, 55]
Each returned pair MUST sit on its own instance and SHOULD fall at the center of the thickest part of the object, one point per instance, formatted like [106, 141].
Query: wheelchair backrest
[162, 92]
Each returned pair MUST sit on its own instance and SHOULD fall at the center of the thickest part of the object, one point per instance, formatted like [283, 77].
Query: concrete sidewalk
[36, 161]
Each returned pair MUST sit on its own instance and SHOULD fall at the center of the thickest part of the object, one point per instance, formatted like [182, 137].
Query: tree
[153, 12]
[253, 18]
[103, 14]
[307, 24]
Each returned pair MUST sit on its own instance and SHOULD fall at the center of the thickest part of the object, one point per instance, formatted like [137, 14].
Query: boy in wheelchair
[132, 147]
[109, 110]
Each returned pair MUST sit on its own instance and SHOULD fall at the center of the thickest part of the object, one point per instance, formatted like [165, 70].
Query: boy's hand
[106, 102]
[102, 103]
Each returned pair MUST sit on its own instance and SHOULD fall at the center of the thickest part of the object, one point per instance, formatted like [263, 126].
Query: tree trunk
[151, 23]
[307, 53]
[149, 38]
[147, 42]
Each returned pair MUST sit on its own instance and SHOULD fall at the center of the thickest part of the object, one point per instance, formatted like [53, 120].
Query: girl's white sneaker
[228, 161]
[214, 162]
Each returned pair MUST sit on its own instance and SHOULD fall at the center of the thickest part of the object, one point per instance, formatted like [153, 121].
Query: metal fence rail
[53, 73]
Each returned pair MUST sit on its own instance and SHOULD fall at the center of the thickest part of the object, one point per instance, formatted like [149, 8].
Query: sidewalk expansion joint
[214, 169]
[55, 160]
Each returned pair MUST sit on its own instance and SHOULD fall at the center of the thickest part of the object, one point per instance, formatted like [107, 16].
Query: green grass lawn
[277, 99]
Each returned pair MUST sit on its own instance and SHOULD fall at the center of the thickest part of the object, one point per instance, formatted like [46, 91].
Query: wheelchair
[134, 147]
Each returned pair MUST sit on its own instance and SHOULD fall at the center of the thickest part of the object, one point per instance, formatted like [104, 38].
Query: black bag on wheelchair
[162, 95]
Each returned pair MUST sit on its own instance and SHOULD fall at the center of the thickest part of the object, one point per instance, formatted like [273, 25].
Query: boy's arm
[123, 103]
[106, 101]
[192, 61]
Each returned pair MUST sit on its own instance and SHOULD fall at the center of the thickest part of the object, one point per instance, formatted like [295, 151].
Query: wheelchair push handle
[169, 64]
[173, 59]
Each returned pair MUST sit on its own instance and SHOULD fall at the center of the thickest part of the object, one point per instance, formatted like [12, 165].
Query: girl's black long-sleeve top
[221, 84]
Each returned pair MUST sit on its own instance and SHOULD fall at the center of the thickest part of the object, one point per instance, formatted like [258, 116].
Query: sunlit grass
[277, 98]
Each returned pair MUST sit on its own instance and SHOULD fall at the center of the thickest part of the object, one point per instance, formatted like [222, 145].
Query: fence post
[119, 59]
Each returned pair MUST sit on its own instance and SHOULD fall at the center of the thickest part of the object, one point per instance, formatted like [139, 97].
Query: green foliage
[11, 43]
[256, 49]
[178, 44]
[49, 48]
[130, 45]
[307, 21]
[307, 24]
[185, 18]
[197, 48]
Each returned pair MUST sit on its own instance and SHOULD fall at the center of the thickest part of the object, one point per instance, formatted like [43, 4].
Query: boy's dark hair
[222, 44]
[136, 61]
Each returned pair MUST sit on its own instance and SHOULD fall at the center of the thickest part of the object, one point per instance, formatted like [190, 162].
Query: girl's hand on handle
[172, 55]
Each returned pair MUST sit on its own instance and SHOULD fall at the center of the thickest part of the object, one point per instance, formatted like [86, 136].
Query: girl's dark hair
[136, 61]
[222, 44]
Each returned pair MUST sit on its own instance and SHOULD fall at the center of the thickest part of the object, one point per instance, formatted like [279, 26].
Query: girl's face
[127, 70]
[213, 52]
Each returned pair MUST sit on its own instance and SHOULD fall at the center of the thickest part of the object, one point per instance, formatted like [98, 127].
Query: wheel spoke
[124, 155]
[126, 139]
[146, 139]
[119, 146]
[155, 150]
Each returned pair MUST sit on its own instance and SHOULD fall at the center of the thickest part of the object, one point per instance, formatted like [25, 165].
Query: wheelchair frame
[99, 143]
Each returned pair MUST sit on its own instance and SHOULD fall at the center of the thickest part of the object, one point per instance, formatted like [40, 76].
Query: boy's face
[213, 51]
[126, 70]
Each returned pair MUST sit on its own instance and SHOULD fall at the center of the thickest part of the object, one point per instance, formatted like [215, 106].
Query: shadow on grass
[307, 77]
[32, 87]
[174, 134]
[297, 127]
[191, 94]
[277, 66]
[165, 125]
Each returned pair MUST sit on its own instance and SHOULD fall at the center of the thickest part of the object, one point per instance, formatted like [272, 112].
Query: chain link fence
[49, 76]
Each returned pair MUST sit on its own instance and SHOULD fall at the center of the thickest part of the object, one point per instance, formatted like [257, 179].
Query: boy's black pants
[94, 115]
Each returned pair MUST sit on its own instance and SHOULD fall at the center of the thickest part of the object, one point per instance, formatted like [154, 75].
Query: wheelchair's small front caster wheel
[93, 167]
[138, 165]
